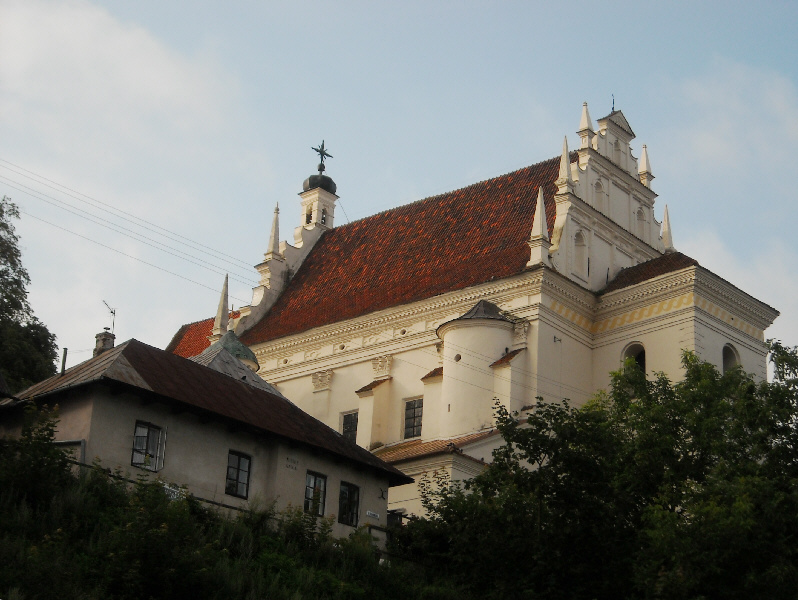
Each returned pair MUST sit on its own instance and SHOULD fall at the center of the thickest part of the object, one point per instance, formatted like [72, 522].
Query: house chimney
[105, 341]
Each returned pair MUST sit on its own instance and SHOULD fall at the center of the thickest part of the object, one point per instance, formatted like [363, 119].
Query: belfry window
[638, 353]
[323, 216]
[308, 217]
[730, 358]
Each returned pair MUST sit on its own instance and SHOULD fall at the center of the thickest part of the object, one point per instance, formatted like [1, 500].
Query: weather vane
[322, 155]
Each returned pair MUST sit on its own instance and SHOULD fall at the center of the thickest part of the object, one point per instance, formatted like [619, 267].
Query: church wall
[712, 334]
[663, 337]
[563, 363]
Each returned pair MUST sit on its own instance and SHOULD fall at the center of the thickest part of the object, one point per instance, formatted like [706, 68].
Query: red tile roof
[417, 449]
[171, 379]
[192, 339]
[505, 360]
[436, 372]
[667, 263]
[430, 247]
[370, 386]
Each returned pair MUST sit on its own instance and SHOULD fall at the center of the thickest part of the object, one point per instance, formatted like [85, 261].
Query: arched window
[638, 353]
[616, 153]
[730, 358]
[599, 198]
[640, 223]
[580, 255]
[309, 217]
[323, 216]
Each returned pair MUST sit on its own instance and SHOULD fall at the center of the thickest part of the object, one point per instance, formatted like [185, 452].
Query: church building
[401, 330]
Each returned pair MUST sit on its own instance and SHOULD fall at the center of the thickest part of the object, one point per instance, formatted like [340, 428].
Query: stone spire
[274, 240]
[565, 183]
[586, 132]
[667, 236]
[222, 315]
[539, 243]
[644, 171]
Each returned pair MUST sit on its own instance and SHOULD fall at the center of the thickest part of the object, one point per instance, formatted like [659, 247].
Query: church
[401, 330]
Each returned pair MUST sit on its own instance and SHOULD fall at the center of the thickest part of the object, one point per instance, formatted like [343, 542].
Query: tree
[28, 350]
[653, 490]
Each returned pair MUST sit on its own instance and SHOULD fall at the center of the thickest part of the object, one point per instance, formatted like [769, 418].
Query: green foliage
[94, 535]
[28, 350]
[654, 490]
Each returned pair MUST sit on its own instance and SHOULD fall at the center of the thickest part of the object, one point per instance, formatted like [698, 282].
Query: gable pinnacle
[667, 235]
[644, 171]
[565, 183]
[539, 243]
[585, 124]
[222, 313]
[274, 240]
[540, 229]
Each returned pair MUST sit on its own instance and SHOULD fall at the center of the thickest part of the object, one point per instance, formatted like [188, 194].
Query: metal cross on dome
[322, 155]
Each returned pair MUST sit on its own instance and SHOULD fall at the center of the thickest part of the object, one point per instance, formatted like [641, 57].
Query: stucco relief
[321, 380]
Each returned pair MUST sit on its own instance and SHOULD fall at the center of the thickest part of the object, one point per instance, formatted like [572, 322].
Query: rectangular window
[147, 446]
[413, 412]
[238, 466]
[315, 491]
[348, 504]
[350, 427]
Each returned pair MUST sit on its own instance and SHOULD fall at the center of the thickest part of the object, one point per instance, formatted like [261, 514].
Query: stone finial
[274, 239]
[565, 183]
[667, 236]
[644, 171]
[539, 243]
[222, 314]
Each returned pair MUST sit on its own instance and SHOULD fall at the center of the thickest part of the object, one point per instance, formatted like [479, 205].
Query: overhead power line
[134, 219]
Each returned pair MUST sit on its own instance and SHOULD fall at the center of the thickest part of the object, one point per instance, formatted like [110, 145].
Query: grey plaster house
[219, 430]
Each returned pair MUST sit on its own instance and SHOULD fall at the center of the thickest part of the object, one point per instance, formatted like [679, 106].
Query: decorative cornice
[400, 318]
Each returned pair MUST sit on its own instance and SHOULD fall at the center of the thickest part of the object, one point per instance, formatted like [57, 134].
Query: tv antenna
[113, 314]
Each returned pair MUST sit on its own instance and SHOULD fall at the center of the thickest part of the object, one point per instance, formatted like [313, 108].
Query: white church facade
[399, 330]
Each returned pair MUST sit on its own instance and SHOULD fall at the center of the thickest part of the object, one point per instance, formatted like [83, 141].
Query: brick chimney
[105, 341]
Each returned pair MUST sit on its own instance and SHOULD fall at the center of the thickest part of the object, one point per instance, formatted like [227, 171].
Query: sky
[147, 143]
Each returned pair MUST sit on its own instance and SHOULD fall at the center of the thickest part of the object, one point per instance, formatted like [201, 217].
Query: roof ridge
[446, 193]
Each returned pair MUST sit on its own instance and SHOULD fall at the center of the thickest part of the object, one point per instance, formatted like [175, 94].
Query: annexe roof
[174, 379]
[414, 449]
[667, 263]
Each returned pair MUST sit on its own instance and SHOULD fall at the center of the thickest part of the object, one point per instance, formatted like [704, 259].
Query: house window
[413, 412]
[348, 504]
[349, 426]
[238, 467]
[315, 491]
[147, 446]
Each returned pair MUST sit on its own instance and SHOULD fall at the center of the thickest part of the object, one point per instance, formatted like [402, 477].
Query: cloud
[109, 109]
